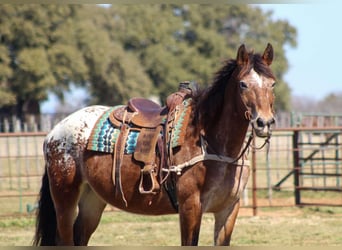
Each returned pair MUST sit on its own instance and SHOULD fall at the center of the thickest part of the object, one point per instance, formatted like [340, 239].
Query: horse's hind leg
[65, 183]
[224, 224]
[89, 215]
[65, 200]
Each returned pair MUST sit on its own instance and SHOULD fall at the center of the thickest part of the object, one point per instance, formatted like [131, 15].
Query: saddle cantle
[140, 112]
[149, 113]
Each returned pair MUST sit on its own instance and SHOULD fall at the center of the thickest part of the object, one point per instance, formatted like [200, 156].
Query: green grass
[18, 222]
[276, 227]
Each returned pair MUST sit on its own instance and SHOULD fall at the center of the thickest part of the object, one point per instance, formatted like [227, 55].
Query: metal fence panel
[301, 161]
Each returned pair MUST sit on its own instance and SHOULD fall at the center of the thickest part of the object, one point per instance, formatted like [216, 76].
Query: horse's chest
[225, 186]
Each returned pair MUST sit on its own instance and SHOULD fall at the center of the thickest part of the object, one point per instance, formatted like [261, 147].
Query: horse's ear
[268, 54]
[242, 55]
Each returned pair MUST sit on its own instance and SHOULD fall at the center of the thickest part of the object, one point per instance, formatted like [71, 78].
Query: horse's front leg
[190, 216]
[224, 224]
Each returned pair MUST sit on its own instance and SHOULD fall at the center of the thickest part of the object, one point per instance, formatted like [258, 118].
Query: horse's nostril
[271, 121]
[260, 122]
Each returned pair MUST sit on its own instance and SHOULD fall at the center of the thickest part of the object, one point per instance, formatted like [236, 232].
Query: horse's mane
[208, 103]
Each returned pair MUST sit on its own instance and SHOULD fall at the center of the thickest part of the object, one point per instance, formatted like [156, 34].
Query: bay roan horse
[77, 183]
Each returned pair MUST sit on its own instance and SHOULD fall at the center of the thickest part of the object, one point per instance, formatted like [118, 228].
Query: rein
[204, 156]
[211, 157]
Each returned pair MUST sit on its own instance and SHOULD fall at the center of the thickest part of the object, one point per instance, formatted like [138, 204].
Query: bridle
[240, 160]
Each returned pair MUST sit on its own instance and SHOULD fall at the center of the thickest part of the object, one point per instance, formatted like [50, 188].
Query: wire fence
[21, 168]
[303, 167]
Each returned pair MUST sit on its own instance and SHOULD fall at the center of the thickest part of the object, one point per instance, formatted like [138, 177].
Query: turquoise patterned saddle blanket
[104, 134]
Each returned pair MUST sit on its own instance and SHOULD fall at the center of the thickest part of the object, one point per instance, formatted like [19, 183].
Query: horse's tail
[46, 223]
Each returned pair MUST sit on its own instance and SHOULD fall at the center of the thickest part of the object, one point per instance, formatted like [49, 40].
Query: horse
[209, 170]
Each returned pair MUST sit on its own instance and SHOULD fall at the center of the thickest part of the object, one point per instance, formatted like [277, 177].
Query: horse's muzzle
[262, 127]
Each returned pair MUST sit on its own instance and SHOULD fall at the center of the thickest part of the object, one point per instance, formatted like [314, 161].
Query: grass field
[274, 227]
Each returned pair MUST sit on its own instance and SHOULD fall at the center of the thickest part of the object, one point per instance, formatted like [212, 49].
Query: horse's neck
[228, 136]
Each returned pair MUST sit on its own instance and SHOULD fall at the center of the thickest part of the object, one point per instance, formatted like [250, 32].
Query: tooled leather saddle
[154, 125]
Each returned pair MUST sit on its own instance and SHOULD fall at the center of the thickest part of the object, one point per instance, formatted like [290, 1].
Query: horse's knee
[190, 215]
[224, 225]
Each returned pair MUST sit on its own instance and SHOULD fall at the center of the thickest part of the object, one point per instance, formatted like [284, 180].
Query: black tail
[46, 223]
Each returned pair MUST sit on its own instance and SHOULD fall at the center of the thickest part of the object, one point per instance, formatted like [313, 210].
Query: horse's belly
[226, 190]
[123, 192]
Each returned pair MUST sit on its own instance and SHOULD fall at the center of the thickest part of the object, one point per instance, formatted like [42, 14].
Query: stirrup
[155, 187]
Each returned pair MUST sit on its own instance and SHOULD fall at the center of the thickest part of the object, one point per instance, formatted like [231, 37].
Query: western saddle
[154, 124]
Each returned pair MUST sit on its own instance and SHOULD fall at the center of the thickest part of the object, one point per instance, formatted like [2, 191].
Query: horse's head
[255, 82]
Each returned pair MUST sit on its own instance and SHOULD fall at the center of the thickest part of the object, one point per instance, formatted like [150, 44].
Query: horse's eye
[273, 84]
[243, 85]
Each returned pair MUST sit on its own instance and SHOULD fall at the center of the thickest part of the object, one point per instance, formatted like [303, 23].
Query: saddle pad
[105, 134]
[181, 122]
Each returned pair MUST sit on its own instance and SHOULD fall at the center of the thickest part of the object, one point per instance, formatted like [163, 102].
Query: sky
[316, 62]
